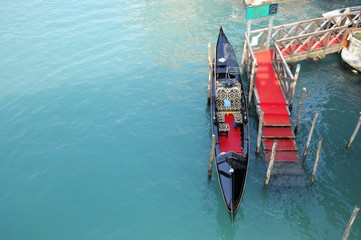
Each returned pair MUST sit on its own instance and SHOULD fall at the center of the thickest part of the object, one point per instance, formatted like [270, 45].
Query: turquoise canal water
[105, 130]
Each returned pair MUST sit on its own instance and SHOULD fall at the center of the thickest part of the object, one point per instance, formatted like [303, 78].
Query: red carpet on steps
[272, 101]
[283, 144]
[267, 84]
[277, 124]
[271, 132]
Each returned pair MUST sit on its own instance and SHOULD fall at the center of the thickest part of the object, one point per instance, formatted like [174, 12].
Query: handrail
[250, 47]
[323, 19]
[283, 61]
[251, 66]
[312, 34]
[229, 71]
[285, 76]
[307, 28]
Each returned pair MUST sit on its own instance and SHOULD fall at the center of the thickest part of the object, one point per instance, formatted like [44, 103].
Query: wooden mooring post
[209, 73]
[304, 90]
[350, 222]
[211, 156]
[270, 165]
[260, 126]
[310, 135]
[316, 161]
[251, 83]
[354, 132]
[243, 58]
[210, 54]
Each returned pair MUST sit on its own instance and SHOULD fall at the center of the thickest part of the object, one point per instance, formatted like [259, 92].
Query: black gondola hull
[231, 162]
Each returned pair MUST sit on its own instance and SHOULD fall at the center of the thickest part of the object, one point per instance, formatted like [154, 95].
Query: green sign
[261, 10]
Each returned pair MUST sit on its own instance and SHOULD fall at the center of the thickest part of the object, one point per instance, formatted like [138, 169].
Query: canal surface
[105, 131]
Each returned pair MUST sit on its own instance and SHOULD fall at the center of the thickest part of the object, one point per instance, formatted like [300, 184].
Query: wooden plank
[277, 120]
[283, 144]
[283, 156]
[276, 109]
[273, 132]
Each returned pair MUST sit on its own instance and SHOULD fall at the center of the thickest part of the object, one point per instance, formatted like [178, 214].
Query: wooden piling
[354, 132]
[243, 56]
[251, 84]
[215, 61]
[304, 90]
[211, 156]
[316, 161]
[350, 222]
[310, 135]
[209, 73]
[270, 165]
[209, 54]
[260, 126]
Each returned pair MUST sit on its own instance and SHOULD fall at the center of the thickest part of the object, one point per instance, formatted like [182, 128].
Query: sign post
[270, 25]
[259, 12]
[248, 30]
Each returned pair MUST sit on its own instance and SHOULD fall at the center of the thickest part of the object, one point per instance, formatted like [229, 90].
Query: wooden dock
[272, 83]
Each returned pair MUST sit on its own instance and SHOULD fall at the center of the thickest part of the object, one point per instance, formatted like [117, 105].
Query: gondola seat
[220, 118]
[238, 118]
[228, 99]
[223, 129]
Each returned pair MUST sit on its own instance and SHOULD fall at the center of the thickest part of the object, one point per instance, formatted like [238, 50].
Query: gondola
[230, 128]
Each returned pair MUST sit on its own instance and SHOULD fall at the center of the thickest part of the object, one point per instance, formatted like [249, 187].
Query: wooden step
[275, 109]
[289, 181]
[283, 144]
[287, 168]
[276, 120]
[283, 156]
[273, 101]
[278, 132]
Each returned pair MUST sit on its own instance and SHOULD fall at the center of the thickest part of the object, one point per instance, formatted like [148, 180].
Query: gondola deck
[233, 142]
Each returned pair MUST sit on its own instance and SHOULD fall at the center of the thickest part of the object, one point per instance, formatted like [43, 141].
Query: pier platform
[267, 56]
